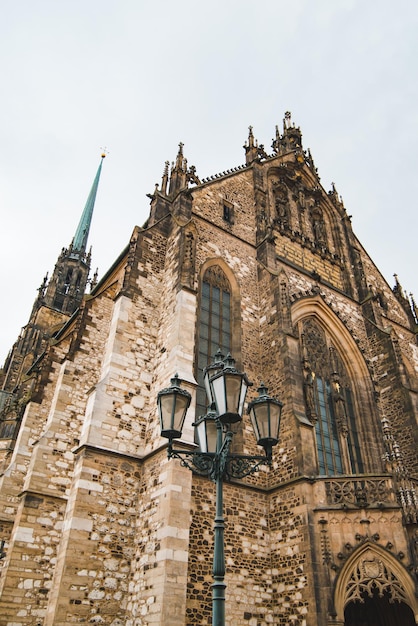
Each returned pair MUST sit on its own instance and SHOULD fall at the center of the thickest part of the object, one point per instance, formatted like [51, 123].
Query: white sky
[140, 76]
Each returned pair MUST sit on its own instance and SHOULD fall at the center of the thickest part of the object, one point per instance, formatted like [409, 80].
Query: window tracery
[329, 401]
[374, 585]
[372, 576]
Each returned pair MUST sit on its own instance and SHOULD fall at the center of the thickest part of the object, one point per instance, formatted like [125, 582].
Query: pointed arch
[316, 307]
[370, 568]
[337, 390]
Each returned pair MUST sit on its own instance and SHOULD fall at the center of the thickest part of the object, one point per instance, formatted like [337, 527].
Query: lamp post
[226, 389]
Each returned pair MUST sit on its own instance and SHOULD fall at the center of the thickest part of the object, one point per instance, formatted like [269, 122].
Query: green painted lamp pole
[226, 389]
[218, 585]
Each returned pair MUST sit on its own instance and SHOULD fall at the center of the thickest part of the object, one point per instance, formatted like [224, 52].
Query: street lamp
[226, 389]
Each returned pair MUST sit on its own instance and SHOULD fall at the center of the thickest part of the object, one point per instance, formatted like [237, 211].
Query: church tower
[57, 300]
[67, 286]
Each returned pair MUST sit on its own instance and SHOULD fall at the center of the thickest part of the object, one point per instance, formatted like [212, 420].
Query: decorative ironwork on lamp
[226, 389]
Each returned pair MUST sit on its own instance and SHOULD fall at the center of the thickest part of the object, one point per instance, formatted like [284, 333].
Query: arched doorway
[375, 589]
[376, 610]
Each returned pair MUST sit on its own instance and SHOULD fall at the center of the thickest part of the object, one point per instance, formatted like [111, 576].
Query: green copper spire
[79, 243]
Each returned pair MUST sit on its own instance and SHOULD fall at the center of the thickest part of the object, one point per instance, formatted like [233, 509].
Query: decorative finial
[180, 158]
[398, 287]
[164, 181]
[105, 151]
[287, 122]
[250, 137]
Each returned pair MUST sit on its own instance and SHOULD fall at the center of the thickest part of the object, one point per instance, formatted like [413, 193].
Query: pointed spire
[414, 307]
[79, 242]
[164, 181]
[180, 157]
[178, 173]
[333, 194]
[253, 151]
[250, 137]
[68, 282]
[292, 136]
[398, 287]
[94, 280]
[290, 140]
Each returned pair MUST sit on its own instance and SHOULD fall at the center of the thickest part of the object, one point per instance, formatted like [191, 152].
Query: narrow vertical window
[327, 441]
[214, 329]
[353, 439]
[228, 211]
[77, 283]
[67, 282]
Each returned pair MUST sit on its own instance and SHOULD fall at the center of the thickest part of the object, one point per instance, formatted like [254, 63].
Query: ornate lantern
[207, 432]
[228, 389]
[265, 413]
[173, 403]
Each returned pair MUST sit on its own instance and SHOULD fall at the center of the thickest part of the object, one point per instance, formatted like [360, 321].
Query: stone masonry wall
[247, 555]
[92, 575]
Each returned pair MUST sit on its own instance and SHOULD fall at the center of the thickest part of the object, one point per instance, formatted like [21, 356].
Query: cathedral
[102, 522]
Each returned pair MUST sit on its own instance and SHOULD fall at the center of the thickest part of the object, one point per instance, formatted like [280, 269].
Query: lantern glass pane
[201, 436]
[172, 408]
[265, 418]
[182, 402]
[244, 387]
[211, 435]
[259, 415]
[166, 411]
[233, 393]
[208, 387]
[275, 413]
[218, 394]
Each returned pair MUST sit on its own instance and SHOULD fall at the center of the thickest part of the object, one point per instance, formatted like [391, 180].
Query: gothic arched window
[214, 325]
[330, 403]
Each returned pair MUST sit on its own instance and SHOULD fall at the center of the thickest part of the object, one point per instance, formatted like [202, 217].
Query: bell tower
[57, 300]
[69, 279]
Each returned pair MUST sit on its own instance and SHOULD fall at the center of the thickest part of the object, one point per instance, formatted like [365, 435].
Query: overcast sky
[138, 77]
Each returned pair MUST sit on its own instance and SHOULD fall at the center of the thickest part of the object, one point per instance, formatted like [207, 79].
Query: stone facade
[99, 527]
